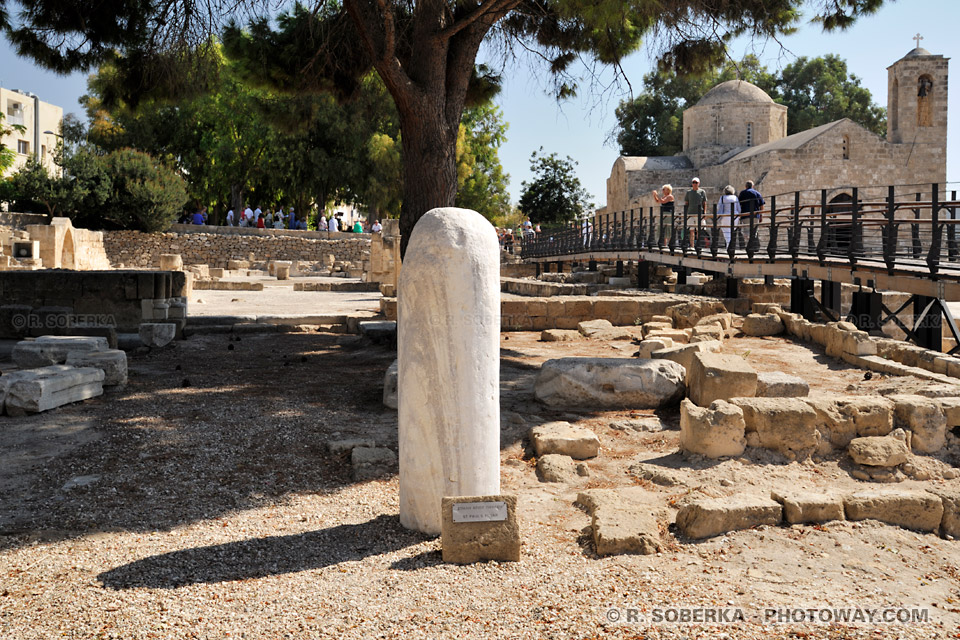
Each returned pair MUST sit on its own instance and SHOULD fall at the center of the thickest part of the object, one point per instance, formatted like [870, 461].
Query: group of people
[526, 230]
[271, 219]
[733, 209]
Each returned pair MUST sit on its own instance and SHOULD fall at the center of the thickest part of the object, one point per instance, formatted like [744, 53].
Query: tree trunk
[429, 165]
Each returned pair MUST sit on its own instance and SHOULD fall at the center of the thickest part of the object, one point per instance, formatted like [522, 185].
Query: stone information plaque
[480, 512]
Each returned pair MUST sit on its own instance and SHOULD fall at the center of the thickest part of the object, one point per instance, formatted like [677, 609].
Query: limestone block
[113, 363]
[48, 350]
[648, 346]
[157, 334]
[557, 468]
[391, 386]
[609, 383]
[880, 451]
[658, 318]
[347, 445]
[802, 507]
[768, 324]
[916, 510]
[688, 314]
[679, 336]
[563, 438]
[683, 354]
[379, 331]
[924, 418]
[590, 327]
[560, 335]
[372, 462]
[622, 520]
[725, 320]
[840, 341]
[708, 517]
[713, 432]
[786, 425]
[46, 388]
[715, 376]
[708, 332]
[649, 327]
[950, 523]
[449, 340]
[171, 262]
[468, 542]
[951, 411]
[777, 384]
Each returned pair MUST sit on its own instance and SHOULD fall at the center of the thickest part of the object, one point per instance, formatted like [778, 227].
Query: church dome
[733, 91]
[916, 53]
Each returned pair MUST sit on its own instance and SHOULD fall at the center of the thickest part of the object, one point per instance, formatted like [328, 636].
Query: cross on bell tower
[918, 38]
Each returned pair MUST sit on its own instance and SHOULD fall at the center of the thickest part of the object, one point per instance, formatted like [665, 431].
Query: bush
[145, 195]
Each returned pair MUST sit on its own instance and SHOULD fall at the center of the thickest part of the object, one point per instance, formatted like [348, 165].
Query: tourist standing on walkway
[358, 227]
[230, 218]
[751, 206]
[198, 217]
[322, 223]
[666, 202]
[334, 223]
[728, 213]
[695, 200]
[256, 215]
[248, 217]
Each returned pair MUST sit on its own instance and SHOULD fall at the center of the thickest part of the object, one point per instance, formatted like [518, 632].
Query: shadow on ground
[263, 557]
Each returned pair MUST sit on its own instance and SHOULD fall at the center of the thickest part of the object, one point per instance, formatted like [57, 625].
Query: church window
[749, 134]
[924, 101]
[846, 147]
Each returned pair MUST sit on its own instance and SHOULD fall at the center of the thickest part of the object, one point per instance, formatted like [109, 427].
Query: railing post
[915, 231]
[715, 235]
[824, 229]
[952, 249]
[651, 232]
[936, 232]
[673, 230]
[751, 230]
[632, 241]
[772, 242]
[795, 227]
[684, 229]
[856, 230]
[699, 242]
[890, 231]
[661, 234]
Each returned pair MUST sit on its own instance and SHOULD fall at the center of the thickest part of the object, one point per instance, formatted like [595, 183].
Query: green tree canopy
[555, 194]
[424, 51]
[815, 91]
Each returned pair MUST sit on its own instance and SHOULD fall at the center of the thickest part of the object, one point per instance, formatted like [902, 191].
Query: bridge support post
[681, 275]
[538, 268]
[643, 274]
[619, 268]
[929, 327]
[559, 266]
[768, 281]
[592, 266]
[830, 295]
[733, 287]
[801, 298]
[866, 310]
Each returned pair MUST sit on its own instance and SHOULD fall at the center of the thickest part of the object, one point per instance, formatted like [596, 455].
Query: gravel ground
[208, 507]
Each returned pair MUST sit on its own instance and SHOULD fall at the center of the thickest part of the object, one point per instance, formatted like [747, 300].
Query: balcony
[16, 118]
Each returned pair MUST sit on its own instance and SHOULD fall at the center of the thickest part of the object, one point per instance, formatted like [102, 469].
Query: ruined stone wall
[142, 250]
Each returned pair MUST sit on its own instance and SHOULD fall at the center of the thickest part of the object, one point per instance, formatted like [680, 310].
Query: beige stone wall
[142, 250]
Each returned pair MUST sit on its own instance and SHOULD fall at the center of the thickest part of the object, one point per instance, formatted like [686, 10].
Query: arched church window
[924, 101]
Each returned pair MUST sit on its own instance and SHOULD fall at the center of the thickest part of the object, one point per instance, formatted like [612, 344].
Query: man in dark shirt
[751, 205]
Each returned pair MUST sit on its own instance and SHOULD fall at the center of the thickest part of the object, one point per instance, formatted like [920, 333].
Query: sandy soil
[207, 506]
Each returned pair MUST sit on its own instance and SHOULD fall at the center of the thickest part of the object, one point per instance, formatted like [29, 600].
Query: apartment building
[26, 109]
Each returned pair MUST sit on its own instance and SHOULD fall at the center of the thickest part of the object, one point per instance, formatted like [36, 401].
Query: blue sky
[579, 128]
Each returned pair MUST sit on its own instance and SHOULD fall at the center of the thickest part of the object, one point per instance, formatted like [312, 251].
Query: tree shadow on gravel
[263, 557]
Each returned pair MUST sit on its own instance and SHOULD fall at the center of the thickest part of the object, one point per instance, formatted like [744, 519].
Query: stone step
[46, 388]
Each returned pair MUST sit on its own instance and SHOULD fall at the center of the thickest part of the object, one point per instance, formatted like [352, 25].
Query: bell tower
[917, 98]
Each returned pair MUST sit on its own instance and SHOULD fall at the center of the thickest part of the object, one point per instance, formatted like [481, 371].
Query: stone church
[736, 132]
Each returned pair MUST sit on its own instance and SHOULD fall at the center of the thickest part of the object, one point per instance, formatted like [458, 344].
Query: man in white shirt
[334, 224]
[230, 218]
[256, 215]
[377, 227]
[248, 217]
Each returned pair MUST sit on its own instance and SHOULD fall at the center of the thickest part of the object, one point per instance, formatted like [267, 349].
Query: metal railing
[897, 227]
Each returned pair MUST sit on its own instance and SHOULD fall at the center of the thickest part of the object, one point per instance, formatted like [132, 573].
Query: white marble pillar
[449, 364]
